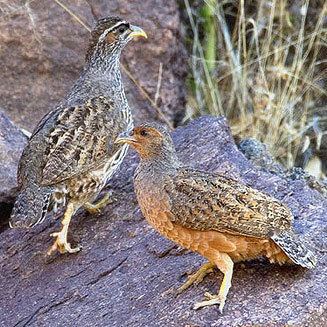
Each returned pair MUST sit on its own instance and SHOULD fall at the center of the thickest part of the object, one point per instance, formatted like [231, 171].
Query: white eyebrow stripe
[116, 25]
[104, 34]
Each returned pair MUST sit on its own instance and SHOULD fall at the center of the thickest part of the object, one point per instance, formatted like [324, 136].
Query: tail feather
[31, 206]
[295, 249]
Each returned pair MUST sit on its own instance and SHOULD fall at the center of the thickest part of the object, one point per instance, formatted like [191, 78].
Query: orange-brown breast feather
[239, 248]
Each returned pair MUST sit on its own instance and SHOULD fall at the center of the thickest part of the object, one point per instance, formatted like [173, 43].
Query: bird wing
[81, 139]
[206, 201]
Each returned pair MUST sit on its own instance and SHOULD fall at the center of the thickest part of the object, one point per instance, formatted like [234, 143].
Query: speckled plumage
[222, 219]
[71, 153]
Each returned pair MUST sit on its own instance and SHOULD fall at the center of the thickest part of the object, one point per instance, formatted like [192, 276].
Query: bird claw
[63, 248]
[62, 245]
[211, 300]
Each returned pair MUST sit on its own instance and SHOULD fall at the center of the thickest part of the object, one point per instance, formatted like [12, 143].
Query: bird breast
[153, 200]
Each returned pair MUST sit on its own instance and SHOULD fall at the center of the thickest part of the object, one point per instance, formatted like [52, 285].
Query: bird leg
[224, 264]
[96, 207]
[61, 243]
[197, 277]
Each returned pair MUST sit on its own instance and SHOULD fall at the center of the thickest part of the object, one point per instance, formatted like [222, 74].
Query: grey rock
[43, 49]
[297, 173]
[259, 155]
[123, 275]
[12, 142]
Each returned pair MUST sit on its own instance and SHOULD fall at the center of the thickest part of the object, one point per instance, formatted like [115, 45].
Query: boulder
[43, 49]
[125, 273]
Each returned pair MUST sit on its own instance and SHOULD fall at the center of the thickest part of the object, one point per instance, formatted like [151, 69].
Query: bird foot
[62, 245]
[211, 300]
[197, 277]
[96, 207]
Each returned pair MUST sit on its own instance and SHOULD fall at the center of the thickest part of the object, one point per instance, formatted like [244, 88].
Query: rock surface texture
[123, 275]
[43, 48]
[12, 142]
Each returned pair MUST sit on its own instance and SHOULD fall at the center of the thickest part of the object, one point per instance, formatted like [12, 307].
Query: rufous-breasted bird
[216, 216]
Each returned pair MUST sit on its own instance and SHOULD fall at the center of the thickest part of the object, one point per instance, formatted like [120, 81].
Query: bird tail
[30, 207]
[295, 249]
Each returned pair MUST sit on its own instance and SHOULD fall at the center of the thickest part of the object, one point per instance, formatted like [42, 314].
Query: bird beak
[137, 31]
[125, 138]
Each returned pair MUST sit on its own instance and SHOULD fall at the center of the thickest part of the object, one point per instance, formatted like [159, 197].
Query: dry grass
[266, 72]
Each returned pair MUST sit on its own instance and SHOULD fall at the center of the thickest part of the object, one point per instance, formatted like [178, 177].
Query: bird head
[110, 35]
[150, 140]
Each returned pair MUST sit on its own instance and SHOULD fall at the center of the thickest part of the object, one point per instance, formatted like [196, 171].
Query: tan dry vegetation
[262, 64]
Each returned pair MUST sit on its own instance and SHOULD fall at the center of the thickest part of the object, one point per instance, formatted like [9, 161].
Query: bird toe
[211, 300]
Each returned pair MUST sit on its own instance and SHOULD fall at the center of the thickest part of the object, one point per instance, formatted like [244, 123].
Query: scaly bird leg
[96, 207]
[61, 243]
[197, 277]
[224, 264]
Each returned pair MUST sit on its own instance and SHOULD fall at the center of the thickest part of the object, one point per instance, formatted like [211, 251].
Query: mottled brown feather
[207, 201]
[81, 140]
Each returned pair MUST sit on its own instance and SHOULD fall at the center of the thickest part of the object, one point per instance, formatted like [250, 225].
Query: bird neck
[105, 66]
[101, 77]
[165, 162]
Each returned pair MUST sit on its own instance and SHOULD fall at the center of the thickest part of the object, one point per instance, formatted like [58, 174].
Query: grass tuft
[262, 65]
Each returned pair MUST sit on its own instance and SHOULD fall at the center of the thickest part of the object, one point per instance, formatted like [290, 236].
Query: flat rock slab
[43, 49]
[123, 275]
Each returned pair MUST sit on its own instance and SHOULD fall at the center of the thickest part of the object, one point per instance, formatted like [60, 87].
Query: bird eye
[122, 28]
[143, 132]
